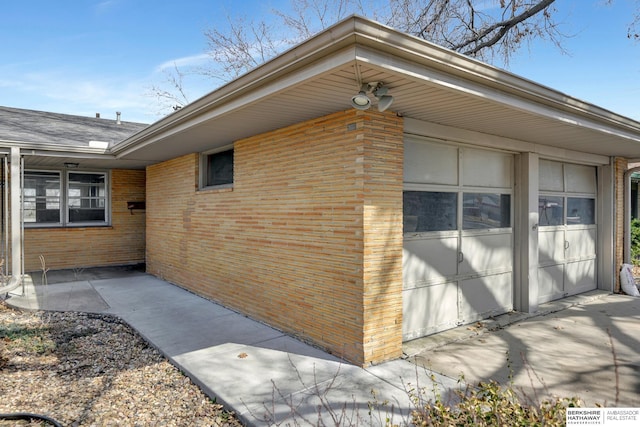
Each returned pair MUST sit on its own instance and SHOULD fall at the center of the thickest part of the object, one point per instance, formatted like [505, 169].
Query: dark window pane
[486, 210]
[550, 210]
[581, 211]
[87, 197]
[429, 211]
[220, 168]
[41, 197]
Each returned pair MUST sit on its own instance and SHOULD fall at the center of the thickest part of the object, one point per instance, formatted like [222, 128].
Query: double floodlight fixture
[362, 102]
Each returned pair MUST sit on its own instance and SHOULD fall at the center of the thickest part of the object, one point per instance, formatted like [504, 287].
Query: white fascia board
[317, 48]
[228, 104]
[31, 148]
[424, 73]
[397, 52]
[417, 50]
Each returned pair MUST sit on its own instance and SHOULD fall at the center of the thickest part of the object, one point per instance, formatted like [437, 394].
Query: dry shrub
[489, 404]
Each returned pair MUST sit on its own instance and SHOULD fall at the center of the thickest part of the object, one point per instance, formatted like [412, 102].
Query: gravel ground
[93, 370]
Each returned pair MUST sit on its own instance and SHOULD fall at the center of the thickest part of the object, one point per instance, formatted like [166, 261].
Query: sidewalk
[247, 366]
[586, 345]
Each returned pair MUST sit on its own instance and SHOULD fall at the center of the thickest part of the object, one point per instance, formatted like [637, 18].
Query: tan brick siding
[620, 168]
[121, 243]
[309, 240]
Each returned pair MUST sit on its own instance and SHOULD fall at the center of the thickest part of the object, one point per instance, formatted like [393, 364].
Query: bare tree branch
[500, 29]
[491, 30]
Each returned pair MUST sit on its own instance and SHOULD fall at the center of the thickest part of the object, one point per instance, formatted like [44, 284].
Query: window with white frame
[86, 197]
[42, 197]
[52, 198]
[217, 168]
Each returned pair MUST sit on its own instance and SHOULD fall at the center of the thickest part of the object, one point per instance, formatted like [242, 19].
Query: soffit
[427, 83]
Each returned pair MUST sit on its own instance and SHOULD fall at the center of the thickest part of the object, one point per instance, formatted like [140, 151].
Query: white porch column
[16, 214]
[526, 234]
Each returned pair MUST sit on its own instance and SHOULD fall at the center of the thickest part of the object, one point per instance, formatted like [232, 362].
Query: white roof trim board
[428, 83]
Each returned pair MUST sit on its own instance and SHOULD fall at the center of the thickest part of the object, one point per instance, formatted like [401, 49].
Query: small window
[486, 210]
[86, 196]
[429, 211]
[219, 168]
[41, 200]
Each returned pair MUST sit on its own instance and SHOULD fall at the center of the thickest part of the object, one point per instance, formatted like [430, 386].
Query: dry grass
[93, 370]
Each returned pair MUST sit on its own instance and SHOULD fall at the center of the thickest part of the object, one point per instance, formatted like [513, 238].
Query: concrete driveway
[590, 350]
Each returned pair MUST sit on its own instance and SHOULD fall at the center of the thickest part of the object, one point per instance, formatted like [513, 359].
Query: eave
[428, 83]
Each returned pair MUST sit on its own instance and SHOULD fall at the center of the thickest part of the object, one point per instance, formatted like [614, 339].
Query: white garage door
[458, 239]
[567, 231]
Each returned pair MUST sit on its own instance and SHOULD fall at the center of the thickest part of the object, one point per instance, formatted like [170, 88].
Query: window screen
[429, 211]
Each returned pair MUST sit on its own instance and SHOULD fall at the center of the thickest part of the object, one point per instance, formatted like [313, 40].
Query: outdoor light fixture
[362, 102]
[384, 100]
[70, 165]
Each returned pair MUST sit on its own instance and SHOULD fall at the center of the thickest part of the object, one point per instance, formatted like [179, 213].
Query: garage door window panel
[426, 211]
[581, 211]
[486, 210]
[551, 210]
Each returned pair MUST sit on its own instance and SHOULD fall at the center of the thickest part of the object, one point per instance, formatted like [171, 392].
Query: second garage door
[567, 232]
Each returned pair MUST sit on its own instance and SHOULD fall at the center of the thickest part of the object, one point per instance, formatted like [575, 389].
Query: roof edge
[356, 30]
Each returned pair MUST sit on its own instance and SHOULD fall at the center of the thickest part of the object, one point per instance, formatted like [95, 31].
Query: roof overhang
[428, 83]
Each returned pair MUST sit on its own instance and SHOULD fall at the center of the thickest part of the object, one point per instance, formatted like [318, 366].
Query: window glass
[429, 211]
[486, 210]
[86, 193]
[551, 210]
[220, 168]
[41, 200]
[580, 211]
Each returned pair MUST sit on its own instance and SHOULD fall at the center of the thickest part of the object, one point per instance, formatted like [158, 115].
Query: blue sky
[88, 56]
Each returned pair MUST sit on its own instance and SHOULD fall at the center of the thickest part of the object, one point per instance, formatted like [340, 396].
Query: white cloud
[65, 92]
[186, 61]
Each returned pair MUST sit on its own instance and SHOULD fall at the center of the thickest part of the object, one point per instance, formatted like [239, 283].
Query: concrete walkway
[263, 375]
[267, 377]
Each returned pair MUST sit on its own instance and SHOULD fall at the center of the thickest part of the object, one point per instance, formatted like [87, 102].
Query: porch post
[16, 214]
[526, 277]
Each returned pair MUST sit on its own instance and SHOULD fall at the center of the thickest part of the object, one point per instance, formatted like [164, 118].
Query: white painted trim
[526, 226]
[606, 270]
[16, 213]
[419, 128]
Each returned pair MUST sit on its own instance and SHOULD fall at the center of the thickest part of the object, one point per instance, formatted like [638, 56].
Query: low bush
[489, 404]
[635, 241]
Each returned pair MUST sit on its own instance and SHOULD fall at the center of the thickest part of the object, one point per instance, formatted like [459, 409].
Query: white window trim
[64, 200]
[202, 179]
[61, 201]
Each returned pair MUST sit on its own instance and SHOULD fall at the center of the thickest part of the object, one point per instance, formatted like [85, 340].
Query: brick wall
[121, 243]
[620, 168]
[308, 240]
